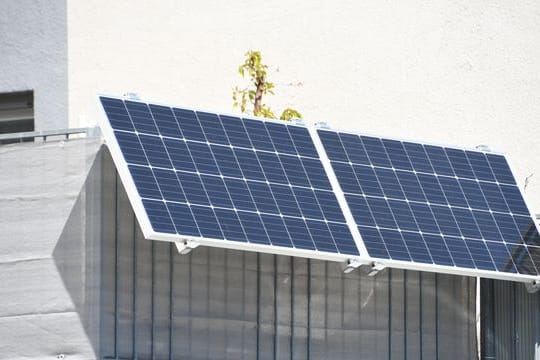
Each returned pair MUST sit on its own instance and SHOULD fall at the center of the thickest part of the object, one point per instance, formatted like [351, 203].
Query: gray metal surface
[510, 321]
[224, 304]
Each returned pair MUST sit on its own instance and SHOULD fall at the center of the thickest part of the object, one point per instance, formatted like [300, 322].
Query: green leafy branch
[252, 96]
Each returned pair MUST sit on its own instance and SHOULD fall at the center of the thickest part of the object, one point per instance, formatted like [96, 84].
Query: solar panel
[225, 180]
[285, 188]
[441, 207]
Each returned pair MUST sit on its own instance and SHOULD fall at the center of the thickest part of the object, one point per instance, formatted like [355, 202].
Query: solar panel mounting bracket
[533, 286]
[184, 247]
[375, 268]
[350, 265]
[322, 125]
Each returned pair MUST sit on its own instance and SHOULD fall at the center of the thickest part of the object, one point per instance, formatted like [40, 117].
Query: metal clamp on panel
[376, 267]
[322, 125]
[184, 247]
[349, 265]
[533, 286]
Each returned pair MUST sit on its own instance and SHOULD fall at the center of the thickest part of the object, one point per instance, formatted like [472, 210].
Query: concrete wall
[34, 56]
[452, 72]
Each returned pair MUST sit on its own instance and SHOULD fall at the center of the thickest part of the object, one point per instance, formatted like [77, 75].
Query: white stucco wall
[33, 56]
[453, 72]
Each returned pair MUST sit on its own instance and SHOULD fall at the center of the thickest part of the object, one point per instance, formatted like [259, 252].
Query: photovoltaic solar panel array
[262, 185]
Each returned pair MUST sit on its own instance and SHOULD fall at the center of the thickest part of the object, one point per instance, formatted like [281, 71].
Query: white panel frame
[364, 258]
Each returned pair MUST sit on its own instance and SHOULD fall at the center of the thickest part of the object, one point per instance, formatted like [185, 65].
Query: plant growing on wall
[259, 86]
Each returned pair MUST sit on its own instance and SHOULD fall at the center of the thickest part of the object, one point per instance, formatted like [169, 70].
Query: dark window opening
[16, 114]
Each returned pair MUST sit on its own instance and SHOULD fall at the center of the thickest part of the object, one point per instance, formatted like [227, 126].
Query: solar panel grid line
[331, 229]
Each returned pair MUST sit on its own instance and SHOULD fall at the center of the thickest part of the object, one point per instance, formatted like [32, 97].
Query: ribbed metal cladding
[224, 304]
[510, 321]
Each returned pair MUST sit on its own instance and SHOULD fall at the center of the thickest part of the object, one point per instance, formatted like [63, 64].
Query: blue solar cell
[236, 133]
[354, 149]
[417, 247]
[395, 245]
[501, 257]
[294, 170]
[333, 146]
[381, 212]
[230, 225]
[480, 255]
[374, 243]
[316, 174]
[263, 198]
[258, 135]
[403, 215]
[473, 194]
[376, 151]
[494, 197]
[452, 191]
[189, 125]
[424, 218]
[438, 250]
[368, 180]
[249, 164]
[299, 232]
[159, 216]
[466, 223]
[320, 234]
[445, 220]
[329, 206]
[460, 163]
[141, 118]
[432, 189]
[281, 138]
[226, 161]
[169, 185]
[308, 203]
[165, 121]
[348, 181]
[514, 200]
[212, 128]
[459, 252]
[145, 182]
[343, 238]
[207, 222]
[360, 210]
[216, 191]
[302, 141]
[438, 159]
[480, 165]
[411, 186]
[285, 200]
[155, 151]
[389, 183]
[272, 168]
[203, 158]
[487, 225]
[418, 157]
[501, 169]
[117, 114]
[397, 154]
[131, 148]
[179, 154]
[193, 188]
[276, 230]
[253, 227]
[183, 220]
[240, 195]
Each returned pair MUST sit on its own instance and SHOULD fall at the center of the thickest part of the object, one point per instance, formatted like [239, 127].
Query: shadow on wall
[77, 254]
[141, 299]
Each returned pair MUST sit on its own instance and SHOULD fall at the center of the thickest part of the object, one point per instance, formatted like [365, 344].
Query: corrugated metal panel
[224, 304]
[510, 321]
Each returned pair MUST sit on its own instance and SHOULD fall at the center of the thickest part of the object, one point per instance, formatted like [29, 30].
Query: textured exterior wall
[33, 48]
[455, 72]
[49, 250]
